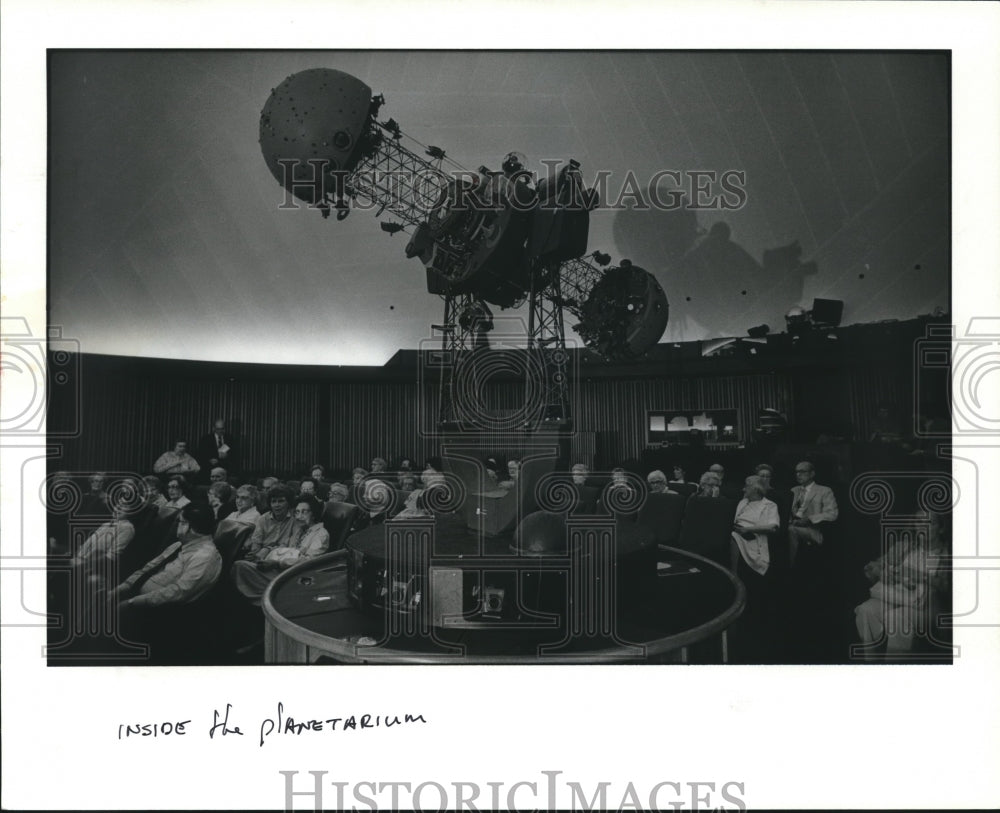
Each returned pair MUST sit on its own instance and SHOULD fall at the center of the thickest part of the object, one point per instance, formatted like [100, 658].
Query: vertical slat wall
[393, 420]
[371, 419]
[286, 426]
[127, 423]
[871, 386]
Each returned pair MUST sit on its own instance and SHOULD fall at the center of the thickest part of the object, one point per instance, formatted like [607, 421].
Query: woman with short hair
[309, 538]
[111, 538]
[220, 498]
[177, 492]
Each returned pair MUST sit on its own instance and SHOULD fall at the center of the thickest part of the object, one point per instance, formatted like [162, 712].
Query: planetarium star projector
[485, 236]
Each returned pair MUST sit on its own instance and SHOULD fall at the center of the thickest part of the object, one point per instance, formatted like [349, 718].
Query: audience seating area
[214, 628]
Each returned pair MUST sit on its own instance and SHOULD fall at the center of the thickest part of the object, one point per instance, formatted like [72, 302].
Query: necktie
[155, 567]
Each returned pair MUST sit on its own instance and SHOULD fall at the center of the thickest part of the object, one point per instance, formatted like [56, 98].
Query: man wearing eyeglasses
[813, 506]
[184, 572]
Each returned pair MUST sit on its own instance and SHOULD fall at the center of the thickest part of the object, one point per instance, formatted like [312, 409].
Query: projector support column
[547, 343]
[455, 340]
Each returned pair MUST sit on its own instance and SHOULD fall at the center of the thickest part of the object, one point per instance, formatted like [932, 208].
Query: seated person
[586, 495]
[309, 538]
[274, 529]
[307, 487]
[318, 473]
[338, 493]
[177, 492]
[218, 475]
[95, 501]
[176, 462]
[619, 493]
[813, 507]
[246, 505]
[154, 491]
[657, 482]
[59, 496]
[265, 485]
[407, 481]
[405, 475]
[110, 540]
[416, 502]
[725, 489]
[679, 476]
[708, 485]
[901, 582]
[378, 465]
[374, 500]
[680, 483]
[220, 500]
[513, 472]
[357, 481]
[184, 572]
[492, 480]
[756, 519]
[765, 473]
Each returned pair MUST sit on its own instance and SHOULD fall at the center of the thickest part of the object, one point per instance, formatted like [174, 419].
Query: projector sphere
[317, 115]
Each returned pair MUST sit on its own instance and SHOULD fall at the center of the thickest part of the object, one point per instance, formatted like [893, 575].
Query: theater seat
[707, 526]
[143, 546]
[229, 538]
[684, 489]
[158, 533]
[661, 515]
[337, 519]
[398, 501]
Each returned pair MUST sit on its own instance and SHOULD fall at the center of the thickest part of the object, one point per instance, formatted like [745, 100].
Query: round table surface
[691, 600]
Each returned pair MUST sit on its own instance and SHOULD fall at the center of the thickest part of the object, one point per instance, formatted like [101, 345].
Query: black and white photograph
[501, 356]
[637, 378]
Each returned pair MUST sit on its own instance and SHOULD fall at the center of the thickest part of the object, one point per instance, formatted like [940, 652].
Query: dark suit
[208, 455]
[586, 499]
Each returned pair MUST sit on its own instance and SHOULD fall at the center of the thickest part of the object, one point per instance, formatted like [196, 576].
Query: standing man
[218, 449]
[813, 506]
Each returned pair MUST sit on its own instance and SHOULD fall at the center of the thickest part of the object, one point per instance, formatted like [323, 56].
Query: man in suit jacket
[218, 449]
[813, 505]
